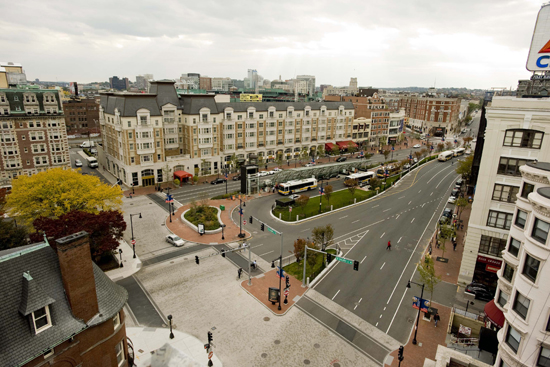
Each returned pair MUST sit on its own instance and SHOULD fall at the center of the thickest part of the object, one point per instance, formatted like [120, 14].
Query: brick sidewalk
[230, 232]
[428, 336]
[260, 289]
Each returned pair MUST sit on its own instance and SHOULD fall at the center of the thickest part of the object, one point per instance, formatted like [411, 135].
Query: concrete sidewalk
[130, 265]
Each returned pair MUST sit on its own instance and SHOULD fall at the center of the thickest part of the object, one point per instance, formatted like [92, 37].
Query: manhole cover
[266, 319]
[277, 342]
[306, 361]
[316, 345]
[264, 355]
[336, 365]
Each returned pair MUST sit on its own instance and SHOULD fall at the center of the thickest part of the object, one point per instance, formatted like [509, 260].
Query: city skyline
[384, 45]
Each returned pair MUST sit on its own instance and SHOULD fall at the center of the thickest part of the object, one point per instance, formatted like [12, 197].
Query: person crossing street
[389, 246]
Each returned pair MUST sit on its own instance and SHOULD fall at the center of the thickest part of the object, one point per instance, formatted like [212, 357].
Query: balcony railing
[169, 120]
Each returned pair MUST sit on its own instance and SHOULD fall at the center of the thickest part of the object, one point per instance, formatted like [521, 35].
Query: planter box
[194, 227]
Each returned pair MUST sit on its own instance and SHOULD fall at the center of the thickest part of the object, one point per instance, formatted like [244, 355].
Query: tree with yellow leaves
[56, 192]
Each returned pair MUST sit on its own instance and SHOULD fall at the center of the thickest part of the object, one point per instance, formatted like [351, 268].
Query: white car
[174, 240]
[310, 165]
[451, 200]
[294, 196]
[263, 173]
[276, 169]
[78, 163]
[406, 166]
[417, 146]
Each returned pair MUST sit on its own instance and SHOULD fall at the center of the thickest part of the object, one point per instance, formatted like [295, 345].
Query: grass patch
[297, 269]
[225, 196]
[206, 215]
[338, 199]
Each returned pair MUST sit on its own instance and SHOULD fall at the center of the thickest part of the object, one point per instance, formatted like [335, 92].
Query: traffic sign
[210, 355]
[269, 229]
[244, 222]
[344, 260]
[290, 209]
[133, 242]
[287, 292]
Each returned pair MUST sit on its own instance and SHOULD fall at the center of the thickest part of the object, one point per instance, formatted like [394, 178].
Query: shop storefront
[486, 271]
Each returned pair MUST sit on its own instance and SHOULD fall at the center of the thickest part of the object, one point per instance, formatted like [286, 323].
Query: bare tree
[351, 184]
[299, 248]
[328, 193]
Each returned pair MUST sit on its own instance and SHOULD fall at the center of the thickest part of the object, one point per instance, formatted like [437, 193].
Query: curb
[267, 308]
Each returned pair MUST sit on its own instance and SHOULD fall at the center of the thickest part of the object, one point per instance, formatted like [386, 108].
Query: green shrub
[176, 182]
[206, 215]
[225, 196]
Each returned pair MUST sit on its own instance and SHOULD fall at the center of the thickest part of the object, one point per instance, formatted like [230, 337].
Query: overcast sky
[392, 43]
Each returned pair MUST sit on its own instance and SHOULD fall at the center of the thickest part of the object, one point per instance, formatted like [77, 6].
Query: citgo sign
[539, 53]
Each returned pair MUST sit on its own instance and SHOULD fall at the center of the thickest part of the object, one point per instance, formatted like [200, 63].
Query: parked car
[217, 181]
[78, 163]
[276, 169]
[237, 177]
[444, 220]
[417, 146]
[455, 192]
[459, 182]
[480, 291]
[311, 164]
[174, 240]
[451, 200]
[341, 159]
[448, 212]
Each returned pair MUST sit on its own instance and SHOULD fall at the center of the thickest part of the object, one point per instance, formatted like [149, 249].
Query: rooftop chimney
[77, 273]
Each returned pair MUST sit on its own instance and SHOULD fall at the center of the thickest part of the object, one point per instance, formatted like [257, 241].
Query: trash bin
[222, 207]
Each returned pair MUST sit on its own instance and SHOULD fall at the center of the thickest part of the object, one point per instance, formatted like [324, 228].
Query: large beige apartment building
[149, 136]
[33, 137]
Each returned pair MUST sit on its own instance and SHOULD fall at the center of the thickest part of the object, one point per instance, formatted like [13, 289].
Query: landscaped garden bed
[202, 214]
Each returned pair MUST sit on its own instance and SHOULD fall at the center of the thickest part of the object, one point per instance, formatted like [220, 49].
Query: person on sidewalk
[239, 272]
[389, 246]
[454, 245]
[436, 319]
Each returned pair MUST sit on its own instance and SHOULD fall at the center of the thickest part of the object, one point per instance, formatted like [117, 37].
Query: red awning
[329, 146]
[346, 144]
[182, 174]
[494, 314]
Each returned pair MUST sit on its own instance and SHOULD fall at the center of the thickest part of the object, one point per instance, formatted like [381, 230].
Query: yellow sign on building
[251, 97]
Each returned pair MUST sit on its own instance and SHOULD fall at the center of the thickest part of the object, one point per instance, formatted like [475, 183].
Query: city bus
[363, 178]
[445, 156]
[292, 187]
[458, 151]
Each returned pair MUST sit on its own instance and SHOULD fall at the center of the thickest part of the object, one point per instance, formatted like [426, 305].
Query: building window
[526, 189]
[492, 245]
[505, 193]
[513, 249]
[116, 320]
[523, 138]
[540, 231]
[41, 319]
[119, 349]
[531, 268]
[510, 166]
[513, 338]
[521, 305]
[508, 272]
[502, 298]
[521, 219]
[499, 219]
[544, 357]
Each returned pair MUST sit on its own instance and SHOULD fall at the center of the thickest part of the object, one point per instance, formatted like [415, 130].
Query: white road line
[409, 202]
[384, 308]
[412, 220]
[382, 266]
[355, 307]
[375, 206]
[423, 205]
[305, 230]
[419, 191]
[380, 316]
[360, 300]
[336, 294]
[397, 216]
[383, 234]
[401, 197]
[399, 240]
[267, 253]
[386, 210]
[450, 173]
[432, 193]
[363, 260]
[355, 221]
[345, 216]
[376, 324]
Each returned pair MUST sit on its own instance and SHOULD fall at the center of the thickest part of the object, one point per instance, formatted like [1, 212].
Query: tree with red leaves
[104, 228]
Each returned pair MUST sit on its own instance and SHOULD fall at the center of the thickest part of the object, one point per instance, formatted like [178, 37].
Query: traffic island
[259, 289]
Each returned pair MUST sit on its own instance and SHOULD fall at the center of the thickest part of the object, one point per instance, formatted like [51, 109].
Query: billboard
[251, 97]
[539, 52]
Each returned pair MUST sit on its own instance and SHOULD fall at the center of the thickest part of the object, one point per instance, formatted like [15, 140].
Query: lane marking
[355, 221]
[380, 316]
[345, 216]
[409, 202]
[432, 193]
[305, 230]
[267, 253]
[382, 266]
[363, 260]
[402, 197]
[383, 234]
[399, 240]
[386, 210]
[397, 216]
[375, 206]
[336, 294]
[412, 220]
[419, 191]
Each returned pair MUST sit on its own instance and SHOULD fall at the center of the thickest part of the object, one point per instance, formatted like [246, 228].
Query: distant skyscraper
[252, 78]
[353, 83]
[119, 84]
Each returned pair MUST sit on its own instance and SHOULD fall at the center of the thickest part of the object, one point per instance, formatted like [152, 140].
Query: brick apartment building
[33, 137]
[59, 308]
[81, 116]
[430, 114]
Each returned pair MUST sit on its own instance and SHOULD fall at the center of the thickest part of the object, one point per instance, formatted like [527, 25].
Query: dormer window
[251, 115]
[41, 319]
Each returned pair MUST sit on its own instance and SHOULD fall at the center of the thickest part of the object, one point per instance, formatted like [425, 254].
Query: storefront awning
[329, 146]
[182, 174]
[346, 144]
[494, 314]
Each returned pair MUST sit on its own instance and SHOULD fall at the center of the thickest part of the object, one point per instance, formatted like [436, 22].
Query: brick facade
[81, 117]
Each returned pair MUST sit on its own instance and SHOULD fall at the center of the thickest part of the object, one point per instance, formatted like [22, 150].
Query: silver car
[174, 240]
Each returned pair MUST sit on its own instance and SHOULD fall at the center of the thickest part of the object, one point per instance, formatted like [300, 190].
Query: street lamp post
[241, 234]
[223, 226]
[120, 253]
[169, 204]
[132, 227]
[419, 307]
[170, 321]
[321, 197]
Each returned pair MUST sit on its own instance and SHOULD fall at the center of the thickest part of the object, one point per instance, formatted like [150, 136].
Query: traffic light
[329, 257]
[262, 227]
[209, 337]
[287, 281]
[250, 219]
[223, 253]
[400, 353]
[197, 260]
[356, 265]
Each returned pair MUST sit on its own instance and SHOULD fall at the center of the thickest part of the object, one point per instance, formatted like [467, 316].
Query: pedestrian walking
[239, 272]
[436, 319]
[389, 246]
[454, 245]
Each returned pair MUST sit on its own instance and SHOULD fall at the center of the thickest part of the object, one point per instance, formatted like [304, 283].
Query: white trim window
[116, 320]
[41, 319]
[119, 349]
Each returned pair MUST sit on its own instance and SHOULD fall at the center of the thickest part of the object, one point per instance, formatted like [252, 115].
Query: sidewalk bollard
[307, 281]
[280, 215]
[331, 208]
[297, 218]
[355, 200]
